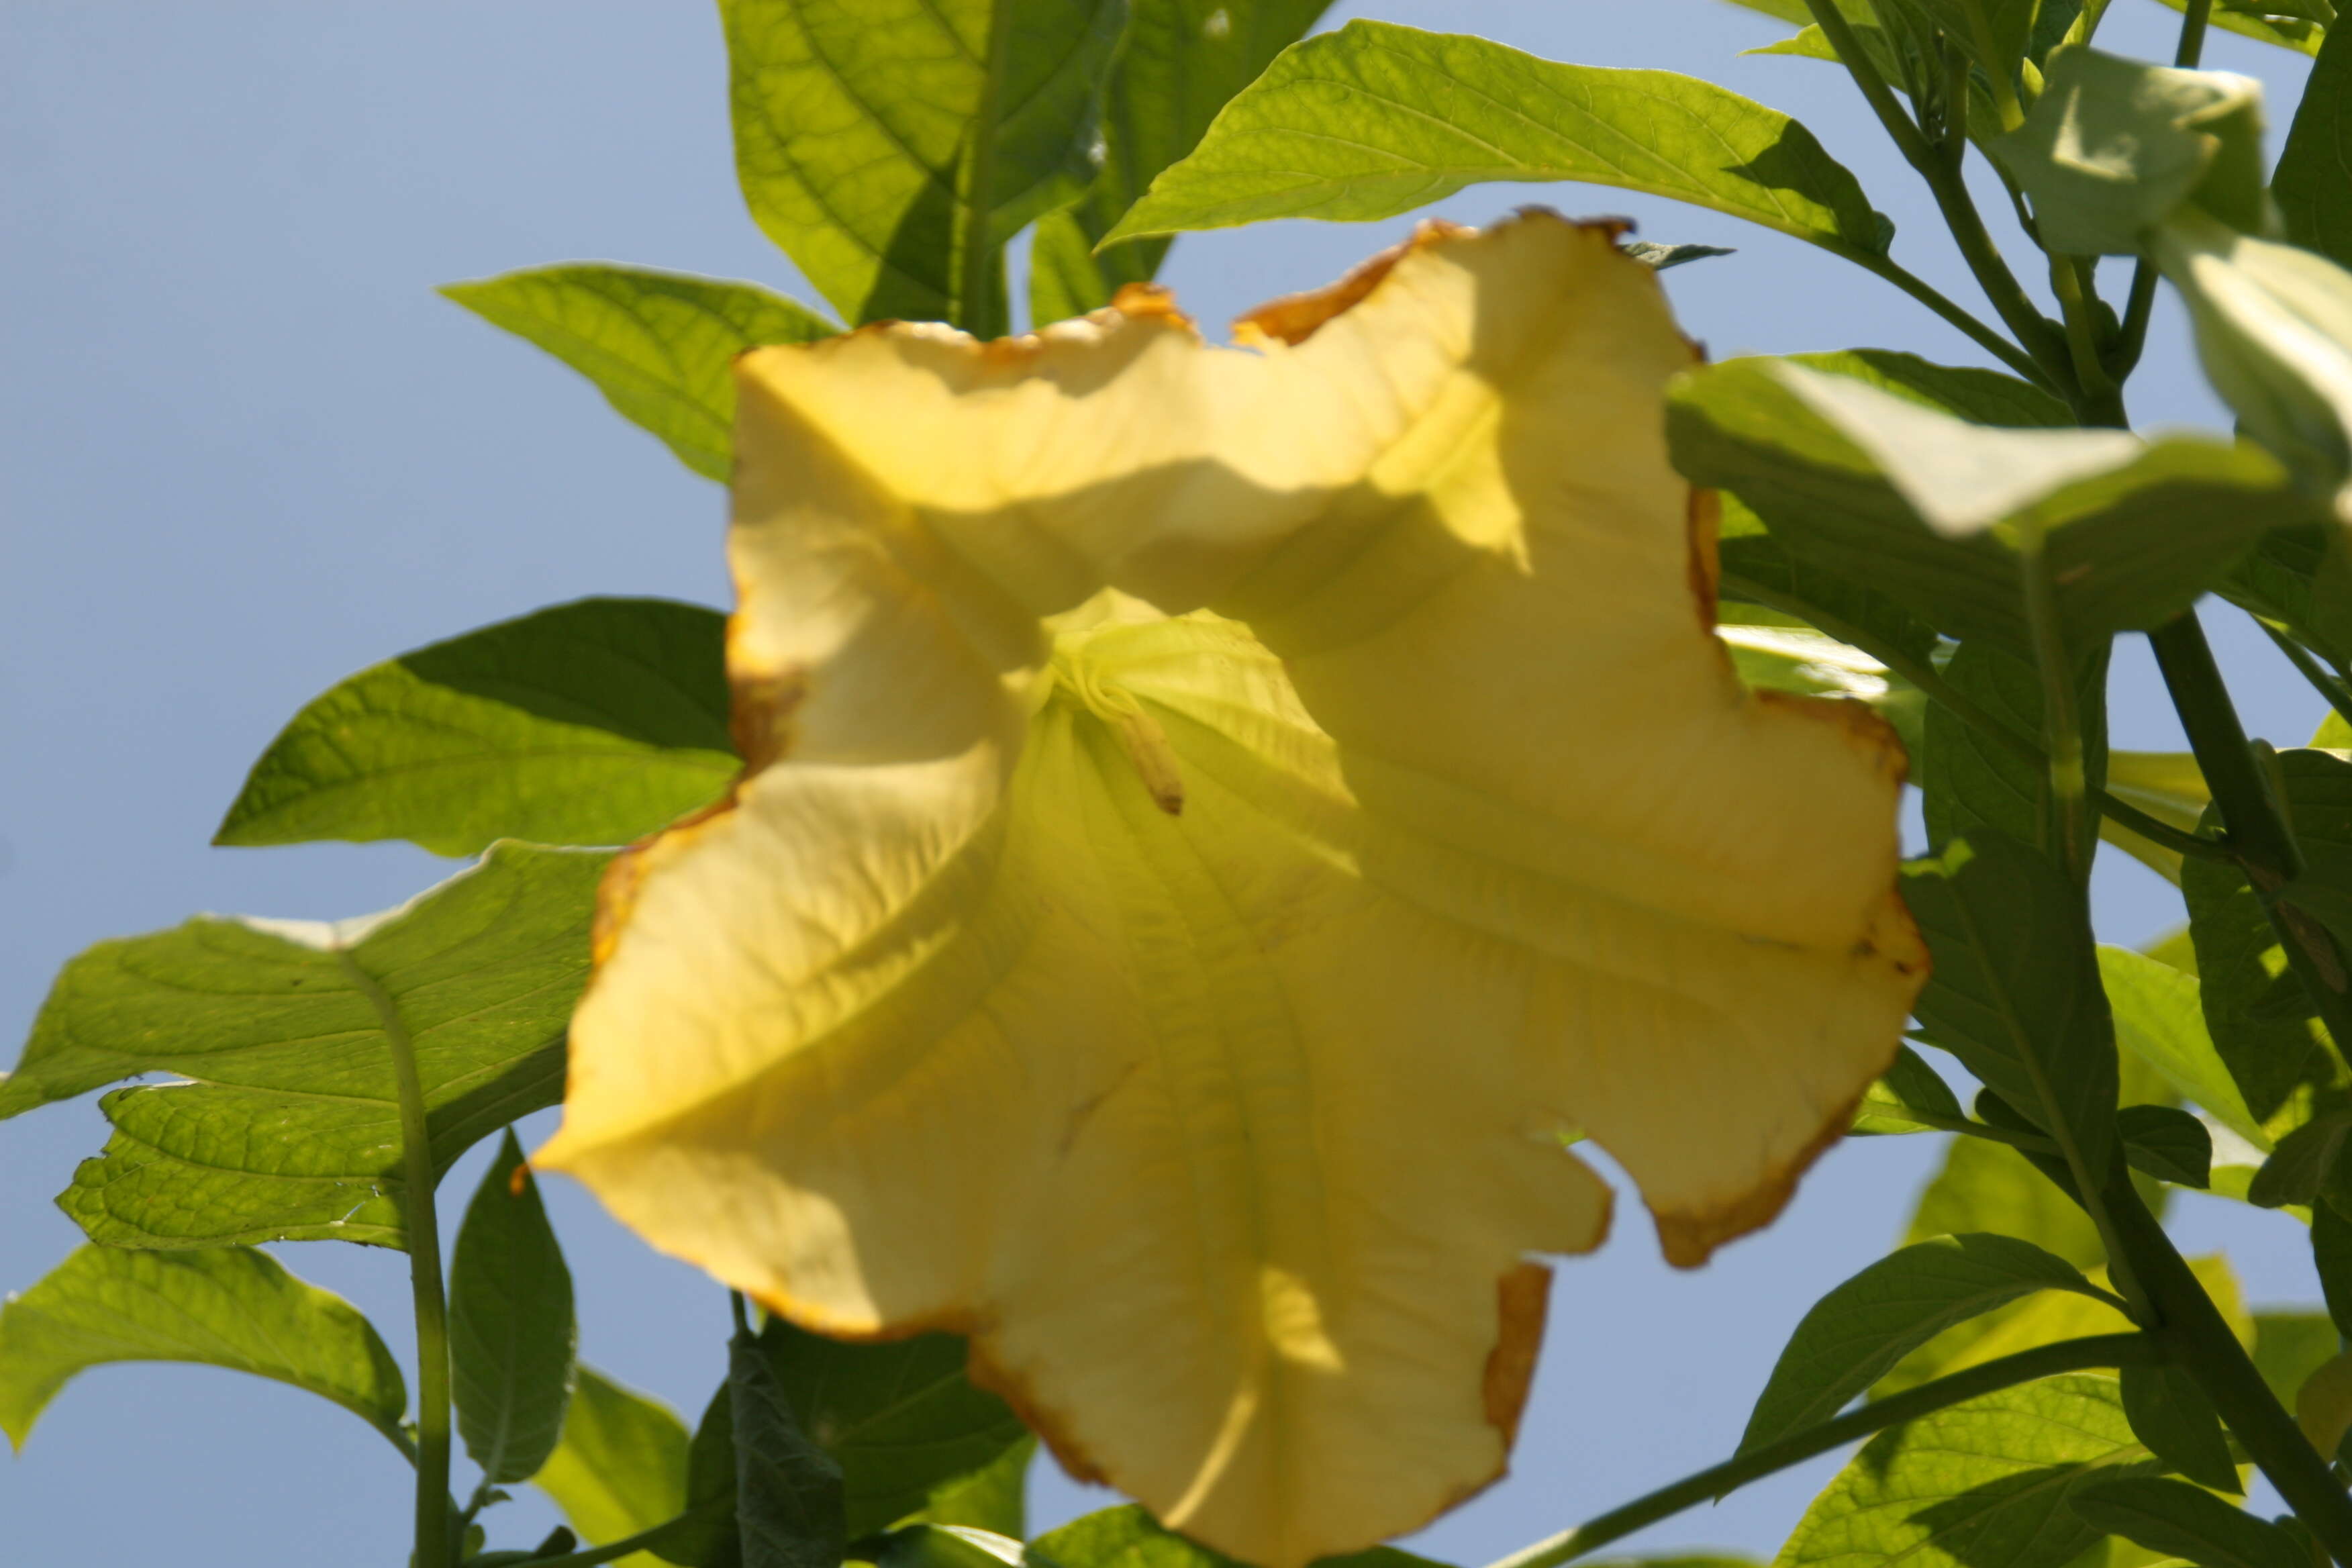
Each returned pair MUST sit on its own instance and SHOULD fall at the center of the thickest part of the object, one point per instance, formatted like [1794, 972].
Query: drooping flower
[1215, 821]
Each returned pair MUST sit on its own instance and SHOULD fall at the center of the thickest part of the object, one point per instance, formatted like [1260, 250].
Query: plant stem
[2208, 1348]
[612, 1549]
[1971, 1383]
[2258, 835]
[1924, 677]
[2324, 681]
[2040, 337]
[433, 1536]
[2194, 18]
[2102, 403]
[1983, 336]
[2062, 727]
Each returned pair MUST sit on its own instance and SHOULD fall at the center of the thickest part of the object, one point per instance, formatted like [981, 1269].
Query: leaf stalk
[435, 1539]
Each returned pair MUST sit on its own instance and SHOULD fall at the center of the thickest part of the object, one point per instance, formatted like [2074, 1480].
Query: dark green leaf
[714, 1540]
[1870, 483]
[1130, 1538]
[892, 146]
[2279, 583]
[1970, 781]
[511, 1331]
[2312, 182]
[1910, 1085]
[1181, 61]
[2171, 1415]
[901, 1419]
[1377, 120]
[593, 722]
[230, 1307]
[2180, 1521]
[291, 1129]
[1980, 1484]
[2300, 1168]
[660, 346]
[2331, 1254]
[2114, 146]
[2259, 1016]
[1854, 1335]
[2015, 988]
[788, 1490]
[2168, 1145]
[620, 1467]
[1658, 258]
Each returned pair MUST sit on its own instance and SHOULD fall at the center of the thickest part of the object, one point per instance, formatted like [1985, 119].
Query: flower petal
[1216, 818]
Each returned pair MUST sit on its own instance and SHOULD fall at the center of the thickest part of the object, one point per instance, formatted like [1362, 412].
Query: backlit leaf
[291, 1128]
[1179, 63]
[620, 1466]
[1376, 119]
[891, 146]
[658, 345]
[2173, 1517]
[1910, 1087]
[1268, 714]
[593, 722]
[1985, 1482]
[228, 1307]
[2268, 21]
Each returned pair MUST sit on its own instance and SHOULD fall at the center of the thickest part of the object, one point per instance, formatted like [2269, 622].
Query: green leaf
[1182, 59]
[2270, 21]
[902, 1420]
[1658, 258]
[2280, 583]
[620, 1466]
[2331, 1254]
[2289, 1347]
[2274, 326]
[2115, 146]
[1984, 1482]
[2159, 1019]
[1799, 660]
[1910, 1087]
[788, 1490]
[2259, 1016]
[660, 346]
[993, 1498]
[1988, 1186]
[950, 1546]
[2312, 182]
[2015, 987]
[2168, 1145]
[1970, 782]
[2300, 1168]
[1854, 1335]
[2173, 1517]
[1377, 120]
[714, 1540]
[1130, 1538]
[291, 1129]
[891, 147]
[593, 722]
[511, 1331]
[227, 1307]
[1994, 34]
[1932, 508]
[2171, 1415]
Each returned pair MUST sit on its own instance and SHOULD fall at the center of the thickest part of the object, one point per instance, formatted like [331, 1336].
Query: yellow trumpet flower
[1216, 822]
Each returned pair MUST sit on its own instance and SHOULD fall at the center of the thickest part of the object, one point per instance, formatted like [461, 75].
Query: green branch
[2194, 18]
[1977, 331]
[433, 1536]
[2041, 337]
[2324, 681]
[612, 1551]
[2207, 1347]
[1971, 1383]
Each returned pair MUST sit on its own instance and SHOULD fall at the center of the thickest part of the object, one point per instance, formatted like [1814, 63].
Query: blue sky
[244, 450]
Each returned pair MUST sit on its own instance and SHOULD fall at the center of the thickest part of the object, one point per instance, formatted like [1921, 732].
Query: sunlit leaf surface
[1215, 820]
